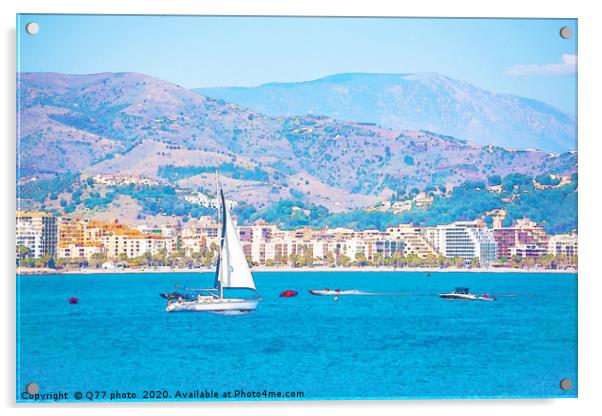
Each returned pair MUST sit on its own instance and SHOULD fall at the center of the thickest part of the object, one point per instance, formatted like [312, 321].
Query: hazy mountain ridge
[426, 101]
[127, 123]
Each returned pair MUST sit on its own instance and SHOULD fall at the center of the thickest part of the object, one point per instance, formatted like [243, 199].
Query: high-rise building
[73, 240]
[72, 231]
[464, 239]
[523, 239]
[38, 232]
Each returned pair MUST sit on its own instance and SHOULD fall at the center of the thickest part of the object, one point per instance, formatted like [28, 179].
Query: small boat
[462, 293]
[288, 294]
[232, 272]
[337, 292]
[177, 295]
[73, 301]
[459, 293]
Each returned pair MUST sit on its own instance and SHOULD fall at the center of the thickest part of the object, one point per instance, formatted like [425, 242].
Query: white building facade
[38, 232]
[465, 239]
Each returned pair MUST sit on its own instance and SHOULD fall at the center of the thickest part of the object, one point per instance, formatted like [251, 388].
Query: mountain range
[421, 101]
[133, 124]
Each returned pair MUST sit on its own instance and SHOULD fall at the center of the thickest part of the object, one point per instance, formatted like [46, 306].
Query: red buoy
[73, 300]
[288, 294]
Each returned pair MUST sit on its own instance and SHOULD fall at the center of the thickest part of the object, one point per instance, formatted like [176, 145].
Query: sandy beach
[42, 271]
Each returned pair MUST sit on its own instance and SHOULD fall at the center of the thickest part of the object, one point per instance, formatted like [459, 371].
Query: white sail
[233, 270]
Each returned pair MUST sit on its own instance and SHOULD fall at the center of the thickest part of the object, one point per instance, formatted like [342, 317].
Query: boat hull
[337, 292]
[457, 296]
[214, 306]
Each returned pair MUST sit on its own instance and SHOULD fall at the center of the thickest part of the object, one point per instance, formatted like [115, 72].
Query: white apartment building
[164, 230]
[563, 244]
[263, 242]
[132, 246]
[79, 251]
[38, 232]
[465, 239]
[123, 180]
[199, 198]
[414, 239]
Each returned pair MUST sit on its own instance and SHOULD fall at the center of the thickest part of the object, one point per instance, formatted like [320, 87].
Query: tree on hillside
[494, 180]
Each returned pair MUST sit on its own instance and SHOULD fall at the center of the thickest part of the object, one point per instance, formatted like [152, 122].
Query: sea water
[407, 343]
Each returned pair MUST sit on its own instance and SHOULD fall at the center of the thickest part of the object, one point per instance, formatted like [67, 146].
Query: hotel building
[563, 244]
[264, 243]
[73, 242]
[464, 239]
[414, 239]
[523, 239]
[38, 232]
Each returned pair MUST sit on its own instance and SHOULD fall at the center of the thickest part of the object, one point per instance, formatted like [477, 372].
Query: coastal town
[66, 243]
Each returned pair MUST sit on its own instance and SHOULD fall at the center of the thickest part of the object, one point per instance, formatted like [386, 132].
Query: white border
[590, 180]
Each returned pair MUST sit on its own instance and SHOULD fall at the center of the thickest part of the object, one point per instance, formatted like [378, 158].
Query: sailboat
[232, 272]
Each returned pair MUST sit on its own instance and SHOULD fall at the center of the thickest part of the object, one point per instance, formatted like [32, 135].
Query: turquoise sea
[119, 338]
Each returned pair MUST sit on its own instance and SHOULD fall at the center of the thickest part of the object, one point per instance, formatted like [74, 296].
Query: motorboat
[459, 293]
[337, 292]
[463, 293]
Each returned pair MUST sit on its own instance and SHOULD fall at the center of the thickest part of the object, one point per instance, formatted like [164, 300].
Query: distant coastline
[24, 271]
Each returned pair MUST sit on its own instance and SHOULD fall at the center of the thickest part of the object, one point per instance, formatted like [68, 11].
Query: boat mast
[217, 194]
[223, 251]
[218, 281]
[220, 196]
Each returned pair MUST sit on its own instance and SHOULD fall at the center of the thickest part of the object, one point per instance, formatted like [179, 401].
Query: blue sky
[525, 57]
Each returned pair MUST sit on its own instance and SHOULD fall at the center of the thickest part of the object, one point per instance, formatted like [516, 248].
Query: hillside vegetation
[76, 126]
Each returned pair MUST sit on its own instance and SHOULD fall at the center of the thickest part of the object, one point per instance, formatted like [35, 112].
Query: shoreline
[23, 271]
